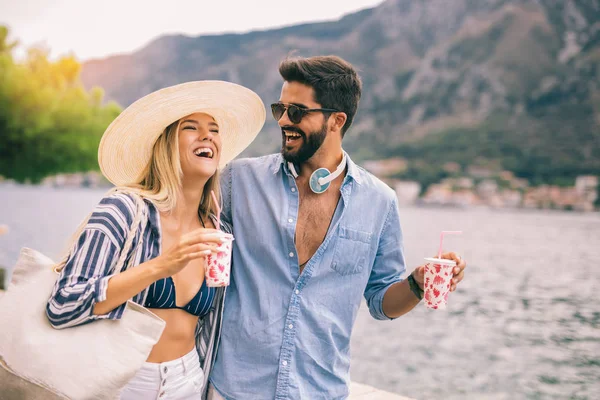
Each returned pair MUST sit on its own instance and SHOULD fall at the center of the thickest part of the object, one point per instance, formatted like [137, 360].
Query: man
[307, 250]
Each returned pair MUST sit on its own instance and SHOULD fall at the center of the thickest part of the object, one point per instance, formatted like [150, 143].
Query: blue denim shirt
[286, 335]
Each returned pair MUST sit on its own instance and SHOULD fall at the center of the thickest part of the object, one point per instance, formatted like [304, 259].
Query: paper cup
[438, 277]
[218, 266]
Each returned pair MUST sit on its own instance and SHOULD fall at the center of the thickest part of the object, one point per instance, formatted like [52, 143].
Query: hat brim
[126, 146]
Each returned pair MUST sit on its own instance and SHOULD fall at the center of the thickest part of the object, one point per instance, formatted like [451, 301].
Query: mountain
[513, 84]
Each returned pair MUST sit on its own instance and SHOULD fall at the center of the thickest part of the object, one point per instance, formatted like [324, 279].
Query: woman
[166, 148]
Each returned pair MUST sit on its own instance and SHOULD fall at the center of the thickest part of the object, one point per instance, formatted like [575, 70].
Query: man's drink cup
[438, 277]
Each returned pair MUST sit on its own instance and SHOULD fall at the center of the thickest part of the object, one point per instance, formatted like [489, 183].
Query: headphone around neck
[321, 178]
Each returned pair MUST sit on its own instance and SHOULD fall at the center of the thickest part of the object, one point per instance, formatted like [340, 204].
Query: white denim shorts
[180, 379]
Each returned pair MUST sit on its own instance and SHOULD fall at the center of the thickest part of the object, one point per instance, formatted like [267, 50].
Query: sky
[95, 29]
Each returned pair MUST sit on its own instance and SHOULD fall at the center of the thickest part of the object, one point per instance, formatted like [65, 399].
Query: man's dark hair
[334, 80]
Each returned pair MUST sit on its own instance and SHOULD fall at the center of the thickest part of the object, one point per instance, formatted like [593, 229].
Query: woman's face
[199, 145]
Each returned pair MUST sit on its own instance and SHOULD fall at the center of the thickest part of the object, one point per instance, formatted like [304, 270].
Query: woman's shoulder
[117, 209]
[122, 201]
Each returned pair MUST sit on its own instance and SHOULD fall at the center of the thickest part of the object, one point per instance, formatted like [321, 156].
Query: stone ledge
[358, 391]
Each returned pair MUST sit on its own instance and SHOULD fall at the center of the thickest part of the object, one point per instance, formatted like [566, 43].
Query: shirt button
[293, 190]
[165, 370]
[284, 363]
[290, 220]
[291, 254]
[291, 326]
[297, 291]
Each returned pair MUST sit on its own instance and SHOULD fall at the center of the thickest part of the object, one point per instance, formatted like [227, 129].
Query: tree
[49, 123]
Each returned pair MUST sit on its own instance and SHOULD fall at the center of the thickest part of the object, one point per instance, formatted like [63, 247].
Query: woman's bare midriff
[178, 338]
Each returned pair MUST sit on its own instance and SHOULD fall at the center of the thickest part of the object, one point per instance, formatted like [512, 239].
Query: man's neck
[321, 159]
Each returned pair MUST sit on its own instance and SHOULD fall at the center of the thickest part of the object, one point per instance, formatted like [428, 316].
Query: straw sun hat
[126, 146]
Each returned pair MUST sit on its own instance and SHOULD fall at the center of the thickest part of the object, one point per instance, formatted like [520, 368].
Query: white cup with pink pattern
[438, 277]
[218, 265]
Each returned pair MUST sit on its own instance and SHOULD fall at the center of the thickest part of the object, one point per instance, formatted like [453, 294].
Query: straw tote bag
[91, 361]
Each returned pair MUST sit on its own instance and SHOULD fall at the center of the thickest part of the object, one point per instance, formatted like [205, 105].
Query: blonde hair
[160, 182]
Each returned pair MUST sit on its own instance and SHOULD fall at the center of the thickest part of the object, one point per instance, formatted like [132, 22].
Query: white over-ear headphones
[321, 178]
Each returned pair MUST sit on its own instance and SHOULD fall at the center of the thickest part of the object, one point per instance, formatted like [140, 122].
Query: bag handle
[139, 221]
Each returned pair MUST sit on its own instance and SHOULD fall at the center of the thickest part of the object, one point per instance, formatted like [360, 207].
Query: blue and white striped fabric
[84, 278]
[83, 281]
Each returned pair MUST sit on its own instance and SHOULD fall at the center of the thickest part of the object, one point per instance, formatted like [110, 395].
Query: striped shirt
[84, 278]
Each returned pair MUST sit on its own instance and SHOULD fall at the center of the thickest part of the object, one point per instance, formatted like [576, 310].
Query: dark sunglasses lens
[295, 114]
[277, 110]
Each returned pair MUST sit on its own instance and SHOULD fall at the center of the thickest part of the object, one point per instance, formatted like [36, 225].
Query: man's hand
[459, 271]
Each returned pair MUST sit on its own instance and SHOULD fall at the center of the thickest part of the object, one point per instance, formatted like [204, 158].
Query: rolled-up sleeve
[83, 282]
[389, 263]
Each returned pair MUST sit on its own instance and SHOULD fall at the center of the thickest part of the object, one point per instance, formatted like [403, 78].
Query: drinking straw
[442, 239]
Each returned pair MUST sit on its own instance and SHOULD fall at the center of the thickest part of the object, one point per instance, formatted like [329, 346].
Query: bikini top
[161, 294]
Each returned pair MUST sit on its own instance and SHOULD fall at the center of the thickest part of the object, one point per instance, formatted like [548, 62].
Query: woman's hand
[196, 244]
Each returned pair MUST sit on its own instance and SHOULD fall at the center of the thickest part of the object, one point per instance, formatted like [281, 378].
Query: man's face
[300, 141]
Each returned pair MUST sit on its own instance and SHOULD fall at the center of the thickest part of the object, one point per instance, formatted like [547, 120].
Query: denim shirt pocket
[351, 251]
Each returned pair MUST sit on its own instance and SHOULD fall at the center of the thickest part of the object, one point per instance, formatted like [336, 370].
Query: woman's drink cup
[218, 265]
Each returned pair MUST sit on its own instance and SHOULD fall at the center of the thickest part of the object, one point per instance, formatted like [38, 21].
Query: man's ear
[339, 119]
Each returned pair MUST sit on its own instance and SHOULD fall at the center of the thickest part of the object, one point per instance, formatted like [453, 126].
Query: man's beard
[310, 145]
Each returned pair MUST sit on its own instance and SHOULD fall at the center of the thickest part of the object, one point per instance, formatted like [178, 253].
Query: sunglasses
[295, 113]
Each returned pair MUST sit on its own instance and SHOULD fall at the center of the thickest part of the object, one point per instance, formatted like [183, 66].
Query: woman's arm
[87, 290]
[123, 286]
[84, 278]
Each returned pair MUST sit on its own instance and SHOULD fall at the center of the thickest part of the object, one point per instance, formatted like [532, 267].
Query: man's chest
[315, 215]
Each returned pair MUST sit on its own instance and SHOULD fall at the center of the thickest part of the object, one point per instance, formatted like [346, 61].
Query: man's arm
[400, 298]
[387, 295]
[387, 271]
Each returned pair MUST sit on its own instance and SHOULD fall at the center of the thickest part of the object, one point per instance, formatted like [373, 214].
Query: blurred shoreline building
[485, 188]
